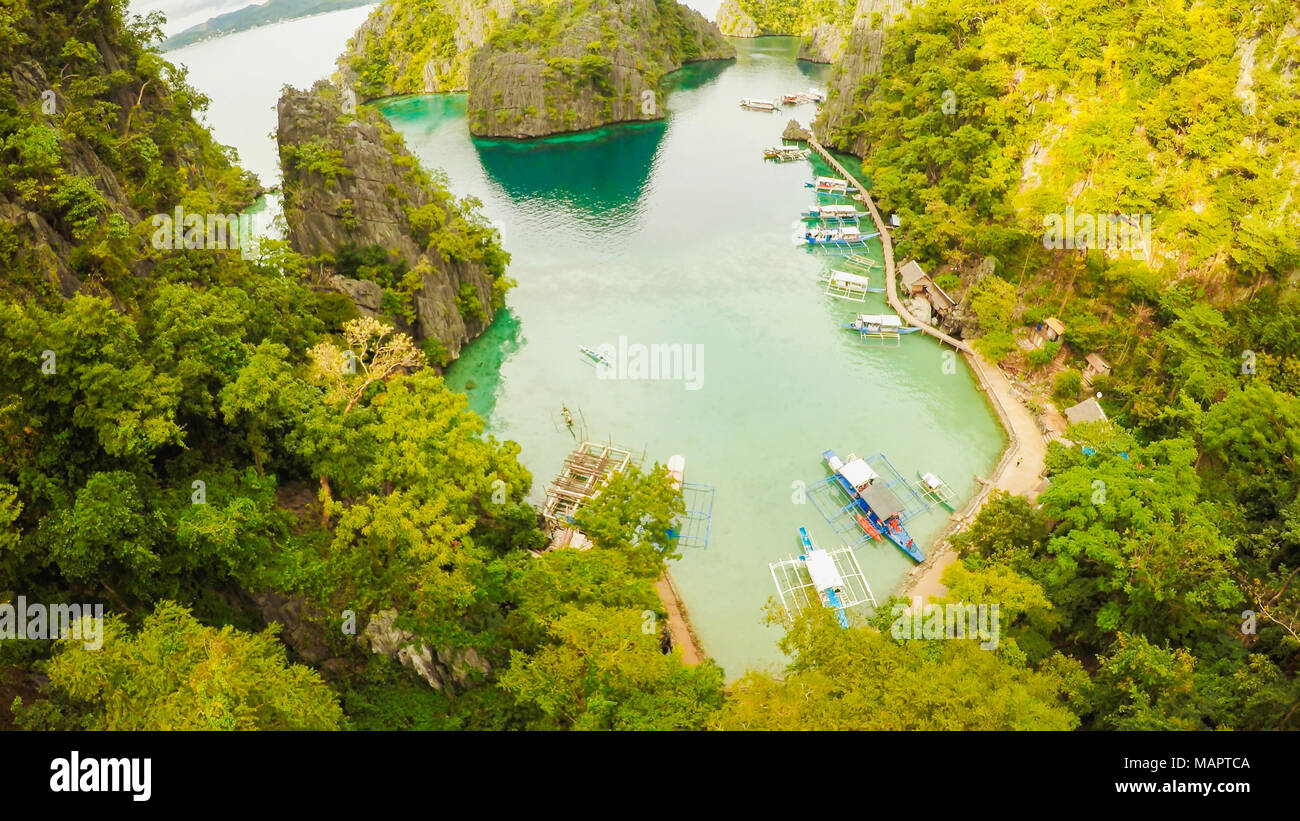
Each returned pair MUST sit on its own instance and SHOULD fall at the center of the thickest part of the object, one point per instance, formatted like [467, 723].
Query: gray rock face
[734, 22]
[444, 69]
[367, 296]
[794, 131]
[43, 246]
[444, 669]
[602, 66]
[298, 630]
[363, 195]
[822, 44]
[860, 56]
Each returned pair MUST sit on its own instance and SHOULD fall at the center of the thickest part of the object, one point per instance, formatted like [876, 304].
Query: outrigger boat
[815, 95]
[829, 578]
[785, 153]
[935, 489]
[593, 355]
[758, 105]
[879, 324]
[845, 285]
[831, 185]
[797, 98]
[825, 578]
[874, 501]
[842, 236]
[833, 213]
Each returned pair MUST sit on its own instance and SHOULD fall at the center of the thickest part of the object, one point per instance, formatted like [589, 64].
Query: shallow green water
[679, 232]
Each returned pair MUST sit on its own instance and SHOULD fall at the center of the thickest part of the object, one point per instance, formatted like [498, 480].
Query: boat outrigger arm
[876, 502]
[832, 578]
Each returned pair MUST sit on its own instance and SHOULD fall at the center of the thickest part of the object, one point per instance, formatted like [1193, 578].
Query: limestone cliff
[822, 44]
[393, 237]
[570, 65]
[418, 46]
[859, 57]
[734, 21]
[822, 25]
[83, 167]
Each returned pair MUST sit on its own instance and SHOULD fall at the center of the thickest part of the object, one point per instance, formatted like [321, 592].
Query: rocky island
[536, 68]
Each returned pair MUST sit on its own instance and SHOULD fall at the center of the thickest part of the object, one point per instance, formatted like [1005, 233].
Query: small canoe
[866, 527]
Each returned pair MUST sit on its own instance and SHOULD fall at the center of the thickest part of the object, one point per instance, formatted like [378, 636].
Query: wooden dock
[1024, 441]
[891, 288]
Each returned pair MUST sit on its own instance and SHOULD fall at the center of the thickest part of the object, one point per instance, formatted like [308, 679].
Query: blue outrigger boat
[820, 566]
[874, 500]
[879, 325]
[846, 235]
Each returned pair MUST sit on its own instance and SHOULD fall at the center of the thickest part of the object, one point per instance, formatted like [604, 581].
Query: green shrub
[1067, 384]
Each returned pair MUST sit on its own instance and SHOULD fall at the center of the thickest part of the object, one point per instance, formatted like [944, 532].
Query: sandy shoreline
[1020, 469]
[679, 625]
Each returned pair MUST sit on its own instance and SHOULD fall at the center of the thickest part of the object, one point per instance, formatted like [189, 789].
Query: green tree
[176, 674]
[860, 679]
[601, 670]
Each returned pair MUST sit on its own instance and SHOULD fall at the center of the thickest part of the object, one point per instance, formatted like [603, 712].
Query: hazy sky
[181, 14]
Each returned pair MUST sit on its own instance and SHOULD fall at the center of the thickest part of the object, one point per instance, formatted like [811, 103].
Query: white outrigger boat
[758, 105]
[785, 153]
[815, 95]
[879, 326]
[594, 355]
[850, 286]
[934, 489]
[834, 213]
[831, 185]
[840, 236]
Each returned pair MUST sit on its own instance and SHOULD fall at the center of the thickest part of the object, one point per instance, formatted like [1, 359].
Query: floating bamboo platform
[585, 472]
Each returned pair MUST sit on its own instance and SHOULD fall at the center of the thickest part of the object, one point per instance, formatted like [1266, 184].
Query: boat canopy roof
[821, 566]
[882, 500]
[842, 277]
[833, 210]
[858, 472]
[883, 320]
[931, 481]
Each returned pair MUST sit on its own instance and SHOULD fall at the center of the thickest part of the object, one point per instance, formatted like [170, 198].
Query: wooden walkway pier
[1022, 464]
[891, 288]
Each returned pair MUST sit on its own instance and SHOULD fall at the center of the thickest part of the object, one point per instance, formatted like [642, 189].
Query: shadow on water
[597, 175]
[696, 75]
[477, 373]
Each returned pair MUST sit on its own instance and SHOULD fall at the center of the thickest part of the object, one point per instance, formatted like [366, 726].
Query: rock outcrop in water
[535, 67]
[794, 131]
[396, 240]
[572, 65]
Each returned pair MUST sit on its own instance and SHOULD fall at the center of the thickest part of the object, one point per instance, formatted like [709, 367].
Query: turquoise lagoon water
[678, 232]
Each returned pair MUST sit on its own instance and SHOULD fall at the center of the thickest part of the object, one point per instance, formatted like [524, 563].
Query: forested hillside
[182, 440]
[293, 523]
[1163, 556]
